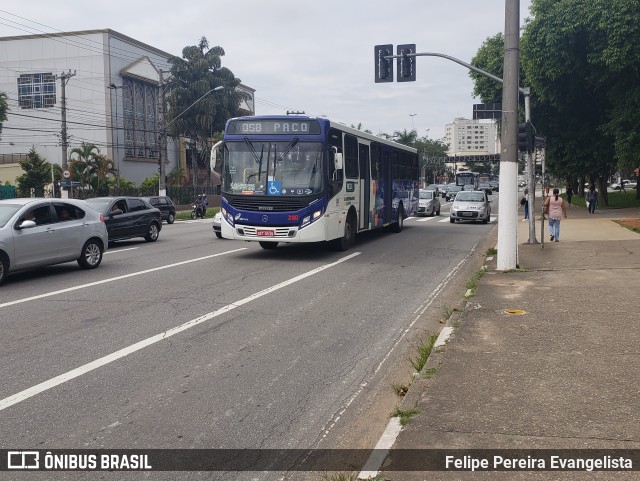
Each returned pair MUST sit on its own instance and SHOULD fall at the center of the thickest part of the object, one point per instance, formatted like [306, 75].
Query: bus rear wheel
[268, 245]
[397, 226]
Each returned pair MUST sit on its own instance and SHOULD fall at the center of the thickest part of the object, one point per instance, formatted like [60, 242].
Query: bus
[468, 178]
[296, 179]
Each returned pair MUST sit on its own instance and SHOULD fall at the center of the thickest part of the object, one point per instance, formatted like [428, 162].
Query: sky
[299, 55]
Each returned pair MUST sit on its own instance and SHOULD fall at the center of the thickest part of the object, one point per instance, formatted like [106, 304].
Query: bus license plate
[265, 233]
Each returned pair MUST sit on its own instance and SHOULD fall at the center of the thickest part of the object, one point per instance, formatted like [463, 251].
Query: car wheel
[218, 235]
[452, 220]
[438, 213]
[91, 255]
[485, 220]
[171, 219]
[153, 233]
[268, 245]
[4, 268]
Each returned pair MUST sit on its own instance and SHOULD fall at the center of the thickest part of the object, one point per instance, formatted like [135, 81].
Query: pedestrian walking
[569, 195]
[592, 198]
[525, 202]
[557, 212]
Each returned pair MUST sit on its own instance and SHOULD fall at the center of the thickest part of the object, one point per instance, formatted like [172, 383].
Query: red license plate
[265, 233]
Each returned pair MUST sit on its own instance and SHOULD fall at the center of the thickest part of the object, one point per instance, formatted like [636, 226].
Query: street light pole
[115, 132]
[412, 116]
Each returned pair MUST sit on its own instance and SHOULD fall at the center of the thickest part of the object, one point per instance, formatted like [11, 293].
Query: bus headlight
[310, 218]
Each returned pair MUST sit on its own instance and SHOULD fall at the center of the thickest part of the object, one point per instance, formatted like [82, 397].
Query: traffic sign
[66, 174]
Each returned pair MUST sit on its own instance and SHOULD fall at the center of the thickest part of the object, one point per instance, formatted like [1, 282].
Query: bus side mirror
[337, 159]
[213, 160]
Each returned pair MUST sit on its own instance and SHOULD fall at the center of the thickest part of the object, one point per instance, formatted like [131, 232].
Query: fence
[7, 192]
[179, 195]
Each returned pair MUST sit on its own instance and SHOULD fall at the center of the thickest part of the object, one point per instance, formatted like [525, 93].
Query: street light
[412, 116]
[115, 130]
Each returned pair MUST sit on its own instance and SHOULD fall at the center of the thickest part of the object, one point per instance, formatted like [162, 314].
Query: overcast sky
[315, 56]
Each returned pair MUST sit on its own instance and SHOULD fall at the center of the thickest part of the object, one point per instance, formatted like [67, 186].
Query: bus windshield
[260, 167]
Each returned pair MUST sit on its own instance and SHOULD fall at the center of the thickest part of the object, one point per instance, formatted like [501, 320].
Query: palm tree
[406, 137]
[99, 169]
[80, 158]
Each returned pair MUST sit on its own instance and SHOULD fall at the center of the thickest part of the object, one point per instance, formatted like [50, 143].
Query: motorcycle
[198, 211]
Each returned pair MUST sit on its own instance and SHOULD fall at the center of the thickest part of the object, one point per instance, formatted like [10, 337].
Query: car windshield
[466, 196]
[426, 194]
[99, 204]
[273, 168]
[7, 211]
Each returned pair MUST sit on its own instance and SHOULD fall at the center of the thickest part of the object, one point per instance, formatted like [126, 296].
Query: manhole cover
[514, 312]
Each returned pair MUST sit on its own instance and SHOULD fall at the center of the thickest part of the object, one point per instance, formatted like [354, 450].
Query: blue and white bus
[468, 178]
[303, 179]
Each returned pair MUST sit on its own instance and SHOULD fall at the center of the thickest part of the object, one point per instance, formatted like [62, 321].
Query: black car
[486, 186]
[128, 217]
[165, 205]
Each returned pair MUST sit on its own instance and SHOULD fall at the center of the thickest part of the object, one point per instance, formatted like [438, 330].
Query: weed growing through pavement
[429, 373]
[400, 389]
[424, 351]
[405, 415]
[491, 251]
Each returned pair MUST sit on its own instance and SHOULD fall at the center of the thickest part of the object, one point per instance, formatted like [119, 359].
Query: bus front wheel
[346, 240]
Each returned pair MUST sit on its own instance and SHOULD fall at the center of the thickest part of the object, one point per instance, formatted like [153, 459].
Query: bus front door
[365, 186]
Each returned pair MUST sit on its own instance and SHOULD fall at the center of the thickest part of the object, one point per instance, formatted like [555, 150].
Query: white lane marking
[390, 434]
[112, 279]
[79, 371]
[377, 457]
[326, 429]
[490, 258]
[446, 219]
[121, 250]
[426, 219]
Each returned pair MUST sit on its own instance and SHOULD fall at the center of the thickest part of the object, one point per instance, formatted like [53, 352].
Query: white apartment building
[111, 93]
[471, 137]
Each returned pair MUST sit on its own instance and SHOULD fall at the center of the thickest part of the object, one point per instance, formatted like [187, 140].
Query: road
[196, 342]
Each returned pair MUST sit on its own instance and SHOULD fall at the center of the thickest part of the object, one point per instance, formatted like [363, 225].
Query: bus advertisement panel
[303, 179]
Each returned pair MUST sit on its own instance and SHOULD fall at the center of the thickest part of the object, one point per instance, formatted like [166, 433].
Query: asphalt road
[273, 349]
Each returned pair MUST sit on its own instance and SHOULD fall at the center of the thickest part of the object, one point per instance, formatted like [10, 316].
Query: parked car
[40, 232]
[128, 217]
[452, 191]
[428, 203]
[217, 224]
[474, 205]
[165, 205]
[628, 184]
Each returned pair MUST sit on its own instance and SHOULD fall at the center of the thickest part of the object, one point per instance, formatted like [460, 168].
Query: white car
[628, 184]
[471, 205]
[428, 203]
[41, 232]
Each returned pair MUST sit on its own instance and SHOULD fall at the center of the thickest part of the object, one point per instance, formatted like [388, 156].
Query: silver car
[39, 232]
[471, 205]
[428, 202]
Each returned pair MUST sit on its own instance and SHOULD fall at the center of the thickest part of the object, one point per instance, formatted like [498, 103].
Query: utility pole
[507, 257]
[64, 78]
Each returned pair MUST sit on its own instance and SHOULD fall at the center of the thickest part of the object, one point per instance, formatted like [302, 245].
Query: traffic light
[406, 64]
[525, 137]
[383, 66]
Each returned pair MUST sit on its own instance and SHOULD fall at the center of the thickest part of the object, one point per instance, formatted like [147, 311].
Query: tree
[431, 153]
[194, 111]
[98, 170]
[405, 137]
[80, 160]
[37, 174]
[3, 109]
[490, 58]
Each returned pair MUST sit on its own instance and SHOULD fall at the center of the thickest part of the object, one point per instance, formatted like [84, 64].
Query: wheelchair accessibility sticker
[274, 187]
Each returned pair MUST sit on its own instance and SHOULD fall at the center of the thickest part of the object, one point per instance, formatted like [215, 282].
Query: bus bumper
[313, 232]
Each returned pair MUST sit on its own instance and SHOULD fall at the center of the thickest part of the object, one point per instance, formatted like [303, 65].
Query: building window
[36, 90]
[140, 119]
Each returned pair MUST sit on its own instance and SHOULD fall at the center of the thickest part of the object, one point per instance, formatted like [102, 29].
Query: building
[471, 137]
[106, 84]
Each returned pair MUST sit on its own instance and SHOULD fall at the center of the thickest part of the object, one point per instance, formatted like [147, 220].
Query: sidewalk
[564, 374]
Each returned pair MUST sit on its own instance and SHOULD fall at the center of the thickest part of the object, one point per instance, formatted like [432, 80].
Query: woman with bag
[557, 211]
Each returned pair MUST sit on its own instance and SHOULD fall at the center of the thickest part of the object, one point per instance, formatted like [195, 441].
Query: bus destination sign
[274, 127]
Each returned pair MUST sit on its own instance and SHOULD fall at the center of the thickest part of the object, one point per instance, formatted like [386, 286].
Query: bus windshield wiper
[255, 156]
[287, 149]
